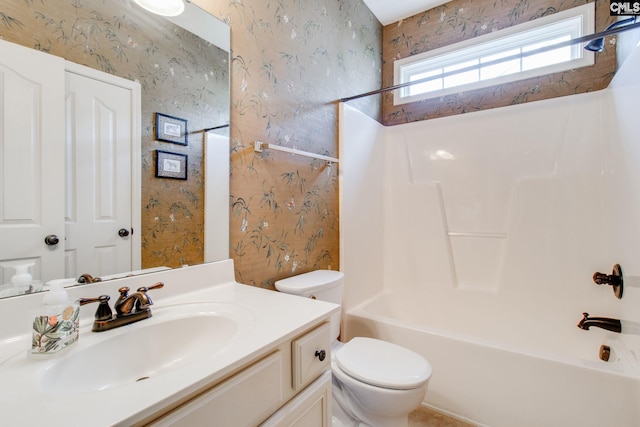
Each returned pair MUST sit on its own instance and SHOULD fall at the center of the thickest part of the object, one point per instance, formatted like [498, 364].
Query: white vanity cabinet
[287, 385]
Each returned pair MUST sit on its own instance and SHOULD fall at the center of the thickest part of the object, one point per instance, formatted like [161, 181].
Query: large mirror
[182, 67]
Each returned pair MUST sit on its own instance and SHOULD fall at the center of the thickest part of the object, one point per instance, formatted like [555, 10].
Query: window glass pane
[513, 42]
[462, 78]
[500, 69]
[430, 86]
[555, 56]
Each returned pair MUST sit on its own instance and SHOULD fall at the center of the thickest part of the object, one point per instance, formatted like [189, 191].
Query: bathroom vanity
[273, 382]
[215, 352]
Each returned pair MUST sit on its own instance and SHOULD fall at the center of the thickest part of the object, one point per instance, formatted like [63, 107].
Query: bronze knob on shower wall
[614, 279]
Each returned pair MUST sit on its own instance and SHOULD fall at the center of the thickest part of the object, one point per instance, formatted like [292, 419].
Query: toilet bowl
[375, 383]
[378, 383]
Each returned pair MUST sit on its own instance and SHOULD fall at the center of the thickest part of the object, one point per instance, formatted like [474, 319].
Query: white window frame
[509, 38]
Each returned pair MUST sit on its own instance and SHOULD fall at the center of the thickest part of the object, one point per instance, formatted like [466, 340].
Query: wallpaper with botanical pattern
[463, 19]
[291, 61]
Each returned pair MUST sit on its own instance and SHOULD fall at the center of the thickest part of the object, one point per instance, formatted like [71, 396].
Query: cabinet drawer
[310, 355]
[245, 399]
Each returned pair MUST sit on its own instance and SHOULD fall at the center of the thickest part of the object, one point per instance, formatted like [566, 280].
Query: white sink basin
[174, 337]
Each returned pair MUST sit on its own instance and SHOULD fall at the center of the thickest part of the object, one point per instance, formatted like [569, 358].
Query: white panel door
[31, 160]
[98, 205]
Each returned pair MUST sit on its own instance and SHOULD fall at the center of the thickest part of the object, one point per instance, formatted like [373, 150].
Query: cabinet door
[243, 400]
[310, 408]
[32, 162]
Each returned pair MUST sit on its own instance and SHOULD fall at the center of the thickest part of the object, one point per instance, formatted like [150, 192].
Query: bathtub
[487, 379]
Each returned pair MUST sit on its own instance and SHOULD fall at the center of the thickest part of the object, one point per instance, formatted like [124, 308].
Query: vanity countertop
[272, 318]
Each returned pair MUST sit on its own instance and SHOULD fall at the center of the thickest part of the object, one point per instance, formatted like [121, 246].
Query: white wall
[498, 219]
[361, 205]
[622, 177]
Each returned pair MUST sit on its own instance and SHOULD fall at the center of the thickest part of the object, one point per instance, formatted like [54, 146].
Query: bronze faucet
[87, 278]
[129, 308]
[139, 300]
[614, 325]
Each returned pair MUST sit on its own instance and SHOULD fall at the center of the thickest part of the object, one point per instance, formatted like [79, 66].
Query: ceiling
[390, 11]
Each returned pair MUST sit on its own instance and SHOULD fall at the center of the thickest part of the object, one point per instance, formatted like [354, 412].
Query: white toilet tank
[324, 285]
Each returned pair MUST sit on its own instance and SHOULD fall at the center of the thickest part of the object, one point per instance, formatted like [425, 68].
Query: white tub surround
[483, 232]
[501, 383]
[268, 320]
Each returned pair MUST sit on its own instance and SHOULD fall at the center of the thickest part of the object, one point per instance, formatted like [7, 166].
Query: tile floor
[424, 417]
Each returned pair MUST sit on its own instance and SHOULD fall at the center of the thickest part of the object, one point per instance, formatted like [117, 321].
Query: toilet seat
[383, 364]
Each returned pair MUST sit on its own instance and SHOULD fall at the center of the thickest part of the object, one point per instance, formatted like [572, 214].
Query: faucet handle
[145, 300]
[614, 279]
[104, 311]
[158, 285]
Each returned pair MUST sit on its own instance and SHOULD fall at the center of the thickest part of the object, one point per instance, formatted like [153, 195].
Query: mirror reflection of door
[79, 221]
[31, 155]
[98, 211]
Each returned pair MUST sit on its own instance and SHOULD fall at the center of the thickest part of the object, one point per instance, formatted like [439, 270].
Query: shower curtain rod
[205, 130]
[583, 39]
[215, 128]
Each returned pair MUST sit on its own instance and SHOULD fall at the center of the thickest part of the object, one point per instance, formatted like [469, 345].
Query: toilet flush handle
[321, 354]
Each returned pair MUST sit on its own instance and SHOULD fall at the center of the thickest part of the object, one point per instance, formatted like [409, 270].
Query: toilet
[375, 383]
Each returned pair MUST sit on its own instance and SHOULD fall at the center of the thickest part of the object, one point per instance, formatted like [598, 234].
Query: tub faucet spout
[613, 325]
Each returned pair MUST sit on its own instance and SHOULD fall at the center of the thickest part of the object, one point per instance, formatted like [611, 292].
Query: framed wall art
[171, 129]
[171, 165]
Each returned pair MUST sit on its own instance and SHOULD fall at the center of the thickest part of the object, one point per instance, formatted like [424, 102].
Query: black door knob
[321, 354]
[123, 232]
[51, 240]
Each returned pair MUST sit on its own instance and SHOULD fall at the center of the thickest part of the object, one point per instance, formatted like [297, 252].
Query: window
[497, 57]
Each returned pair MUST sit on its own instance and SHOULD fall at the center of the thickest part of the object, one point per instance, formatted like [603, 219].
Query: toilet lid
[383, 364]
